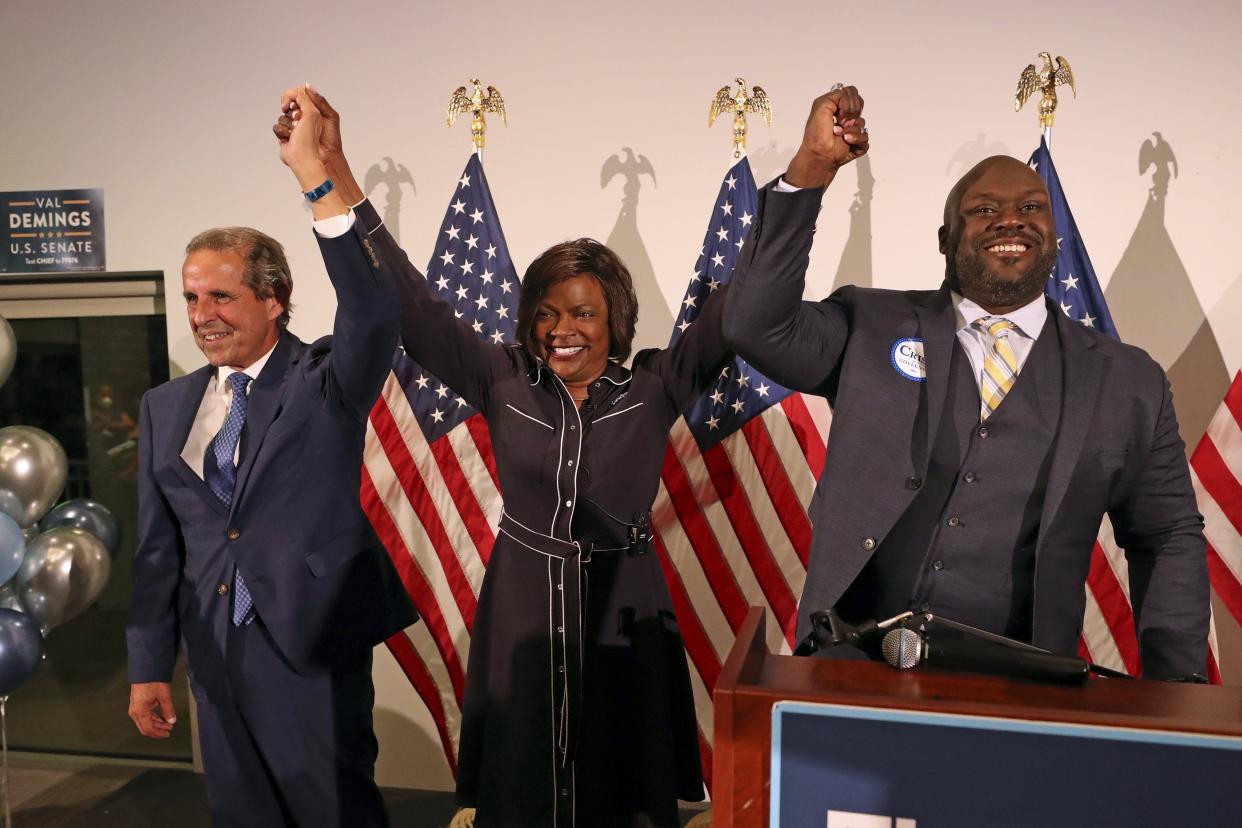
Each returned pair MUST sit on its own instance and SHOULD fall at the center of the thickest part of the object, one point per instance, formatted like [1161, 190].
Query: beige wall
[166, 105]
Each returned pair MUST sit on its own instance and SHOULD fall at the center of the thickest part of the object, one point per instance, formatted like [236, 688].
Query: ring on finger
[836, 86]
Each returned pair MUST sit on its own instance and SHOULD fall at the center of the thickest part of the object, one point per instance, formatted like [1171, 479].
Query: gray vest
[965, 547]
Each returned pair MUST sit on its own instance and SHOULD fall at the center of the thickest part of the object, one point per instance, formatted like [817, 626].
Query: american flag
[429, 483]
[1216, 471]
[730, 517]
[1108, 633]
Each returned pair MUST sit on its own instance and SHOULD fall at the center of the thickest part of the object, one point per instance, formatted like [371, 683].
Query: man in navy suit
[253, 549]
[979, 435]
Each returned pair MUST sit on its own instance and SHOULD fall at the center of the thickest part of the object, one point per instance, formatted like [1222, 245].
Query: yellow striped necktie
[1000, 364]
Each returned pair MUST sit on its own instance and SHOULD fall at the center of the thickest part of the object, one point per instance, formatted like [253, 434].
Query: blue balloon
[21, 648]
[12, 547]
[87, 514]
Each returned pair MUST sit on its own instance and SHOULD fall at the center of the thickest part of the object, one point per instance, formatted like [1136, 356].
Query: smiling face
[999, 238]
[232, 326]
[570, 330]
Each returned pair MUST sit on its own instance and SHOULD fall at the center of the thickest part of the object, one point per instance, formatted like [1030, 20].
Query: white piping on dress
[622, 411]
[532, 419]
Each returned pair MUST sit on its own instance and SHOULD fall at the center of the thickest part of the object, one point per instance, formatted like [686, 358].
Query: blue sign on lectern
[835, 766]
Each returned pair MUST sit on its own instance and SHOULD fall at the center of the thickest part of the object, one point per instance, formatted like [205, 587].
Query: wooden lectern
[753, 680]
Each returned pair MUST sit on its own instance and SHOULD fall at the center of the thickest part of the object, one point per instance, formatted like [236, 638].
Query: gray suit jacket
[1117, 451]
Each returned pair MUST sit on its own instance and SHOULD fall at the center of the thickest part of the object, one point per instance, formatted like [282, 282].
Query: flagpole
[1048, 137]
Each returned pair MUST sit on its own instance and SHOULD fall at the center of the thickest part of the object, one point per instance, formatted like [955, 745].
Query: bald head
[998, 237]
[954, 199]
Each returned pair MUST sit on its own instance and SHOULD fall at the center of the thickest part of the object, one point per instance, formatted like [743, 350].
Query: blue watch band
[322, 190]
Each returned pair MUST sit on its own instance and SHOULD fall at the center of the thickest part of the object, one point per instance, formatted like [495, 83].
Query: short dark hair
[267, 270]
[572, 258]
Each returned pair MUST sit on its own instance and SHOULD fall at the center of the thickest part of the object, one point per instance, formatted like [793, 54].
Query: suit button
[983, 432]
[969, 477]
[233, 534]
[954, 521]
[222, 589]
[868, 544]
[938, 565]
[914, 482]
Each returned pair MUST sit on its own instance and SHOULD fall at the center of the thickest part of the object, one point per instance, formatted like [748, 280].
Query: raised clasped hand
[835, 134]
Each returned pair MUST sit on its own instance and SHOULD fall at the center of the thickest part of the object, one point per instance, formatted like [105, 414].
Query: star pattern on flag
[1072, 284]
[471, 271]
[740, 392]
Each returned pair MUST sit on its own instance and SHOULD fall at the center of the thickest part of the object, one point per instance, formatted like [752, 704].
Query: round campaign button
[907, 358]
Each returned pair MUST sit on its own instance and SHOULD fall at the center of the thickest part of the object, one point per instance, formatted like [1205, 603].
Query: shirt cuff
[330, 228]
[783, 186]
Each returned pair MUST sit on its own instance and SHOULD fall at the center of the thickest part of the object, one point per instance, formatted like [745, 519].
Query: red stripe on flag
[419, 497]
[483, 442]
[703, 540]
[414, 581]
[468, 508]
[803, 425]
[415, 670]
[1115, 608]
[1213, 668]
[698, 645]
[1233, 398]
[1224, 584]
[1218, 481]
[785, 500]
[754, 543]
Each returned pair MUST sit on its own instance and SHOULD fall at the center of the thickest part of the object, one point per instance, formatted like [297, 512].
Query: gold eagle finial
[739, 104]
[1047, 80]
[476, 104]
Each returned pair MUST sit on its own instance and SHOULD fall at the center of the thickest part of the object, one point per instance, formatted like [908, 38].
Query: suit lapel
[938, 327]
[262, 407]
[1082, 367]
[191, 400]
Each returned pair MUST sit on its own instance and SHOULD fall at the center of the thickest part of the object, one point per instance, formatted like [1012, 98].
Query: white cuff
[783, 186]
[330, 228]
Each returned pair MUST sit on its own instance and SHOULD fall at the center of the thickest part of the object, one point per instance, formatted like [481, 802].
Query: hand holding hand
[300, 149]
[329, 145]
[835, 134]
[151, 708]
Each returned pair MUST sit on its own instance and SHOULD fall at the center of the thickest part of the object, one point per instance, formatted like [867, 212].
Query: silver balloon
[21, 648]
[9, 598]
[10, 505]
[33, 468]
[63, 573]
[87, 514]
[12, 547]
[8, 349]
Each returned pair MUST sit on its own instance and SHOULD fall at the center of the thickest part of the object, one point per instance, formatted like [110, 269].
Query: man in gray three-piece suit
[979, 436]
[253, 549]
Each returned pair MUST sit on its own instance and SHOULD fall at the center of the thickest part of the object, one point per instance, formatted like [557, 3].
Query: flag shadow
[1154, 304]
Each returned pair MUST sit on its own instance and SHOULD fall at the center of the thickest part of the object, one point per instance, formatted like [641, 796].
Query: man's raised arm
[796, 343]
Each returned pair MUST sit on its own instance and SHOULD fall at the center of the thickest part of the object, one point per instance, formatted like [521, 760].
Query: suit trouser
[288, 749]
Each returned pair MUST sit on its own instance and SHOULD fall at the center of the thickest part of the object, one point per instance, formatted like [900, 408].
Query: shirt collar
[252, 370]
[1029, 318]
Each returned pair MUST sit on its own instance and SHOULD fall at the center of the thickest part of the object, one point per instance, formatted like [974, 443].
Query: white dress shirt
[213, 410]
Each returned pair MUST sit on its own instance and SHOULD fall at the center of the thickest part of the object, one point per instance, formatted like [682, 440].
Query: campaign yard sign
[52, 230]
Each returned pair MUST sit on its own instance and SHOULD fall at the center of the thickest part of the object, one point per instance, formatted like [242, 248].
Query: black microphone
[905, 648]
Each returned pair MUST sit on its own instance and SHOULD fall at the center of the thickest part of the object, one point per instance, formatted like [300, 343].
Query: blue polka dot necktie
[220, 475]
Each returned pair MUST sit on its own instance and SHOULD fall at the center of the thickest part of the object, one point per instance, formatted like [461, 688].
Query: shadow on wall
[391, 175]
[971, 153]
[769, 161]
[1154, 304]
[417, 752]
[855, 265]
[655, 322]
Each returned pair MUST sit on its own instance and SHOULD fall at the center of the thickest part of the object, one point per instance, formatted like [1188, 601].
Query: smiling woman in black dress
[578, 708]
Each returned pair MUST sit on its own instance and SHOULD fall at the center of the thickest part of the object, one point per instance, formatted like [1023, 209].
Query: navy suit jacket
[322, 583]
[1117, 451]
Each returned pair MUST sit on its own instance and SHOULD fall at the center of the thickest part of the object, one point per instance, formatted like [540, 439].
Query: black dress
[578, 708]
